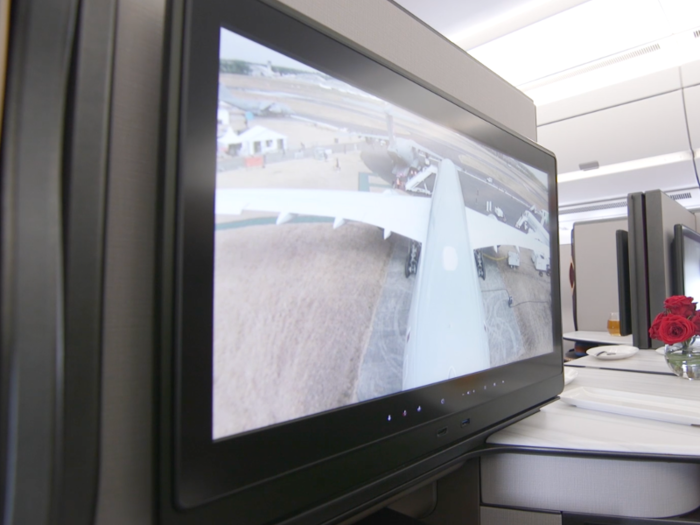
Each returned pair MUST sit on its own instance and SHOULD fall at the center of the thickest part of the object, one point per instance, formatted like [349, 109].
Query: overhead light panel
[522, 15]
[583, 34]
[670, 52]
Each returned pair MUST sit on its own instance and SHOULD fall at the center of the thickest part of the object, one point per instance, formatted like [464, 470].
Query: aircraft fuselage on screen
[446, 335]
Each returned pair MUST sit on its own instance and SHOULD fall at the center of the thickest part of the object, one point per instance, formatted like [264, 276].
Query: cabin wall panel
[595, 260]
[611, 96]
[669, 177]
[691, 73]
[126, 478]
[646, 128]
[692, 110]
[657, 83]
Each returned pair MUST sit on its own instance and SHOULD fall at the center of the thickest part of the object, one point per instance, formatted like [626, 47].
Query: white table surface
[562, 426]
[598, 337]
[642, 361]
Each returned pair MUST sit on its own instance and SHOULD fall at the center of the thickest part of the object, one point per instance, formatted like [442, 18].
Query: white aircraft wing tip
[284, 217]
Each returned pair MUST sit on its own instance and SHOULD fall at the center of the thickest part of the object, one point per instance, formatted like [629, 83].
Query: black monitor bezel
[203, 470]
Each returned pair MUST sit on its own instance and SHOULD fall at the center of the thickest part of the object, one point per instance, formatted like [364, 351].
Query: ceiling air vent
[696, 33]
[681, 196]
[587, 166]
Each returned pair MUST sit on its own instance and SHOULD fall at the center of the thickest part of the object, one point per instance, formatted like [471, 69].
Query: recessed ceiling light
[512, 20]
[580, 35]
[667, 53]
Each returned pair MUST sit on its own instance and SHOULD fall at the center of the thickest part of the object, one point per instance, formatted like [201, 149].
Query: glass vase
[684, 358]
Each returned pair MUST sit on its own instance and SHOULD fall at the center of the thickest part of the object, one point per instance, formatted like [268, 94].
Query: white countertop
[642, 361]
[598, 337]
[562, 426]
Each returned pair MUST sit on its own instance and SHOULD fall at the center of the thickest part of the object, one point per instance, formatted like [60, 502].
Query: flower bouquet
[677, 327]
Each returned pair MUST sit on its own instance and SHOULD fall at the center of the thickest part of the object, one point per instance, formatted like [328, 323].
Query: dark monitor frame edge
[639, 272]
[623, 282]
[363, 500]
[168, 240]
[677, 249]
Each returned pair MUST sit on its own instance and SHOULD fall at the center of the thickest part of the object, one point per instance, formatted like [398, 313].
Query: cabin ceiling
[616, 84]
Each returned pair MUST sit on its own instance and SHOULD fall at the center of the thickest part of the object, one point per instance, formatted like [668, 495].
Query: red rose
[675, 329]
[654, 328]
[696, 322]
[680, 305]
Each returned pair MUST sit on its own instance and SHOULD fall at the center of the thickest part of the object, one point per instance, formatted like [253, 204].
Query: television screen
[686, 268]
[623, 281]
[359, 280]
[361, 250]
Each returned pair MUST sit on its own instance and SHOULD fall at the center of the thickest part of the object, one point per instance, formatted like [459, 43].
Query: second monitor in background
[623, 282]
[686, 261]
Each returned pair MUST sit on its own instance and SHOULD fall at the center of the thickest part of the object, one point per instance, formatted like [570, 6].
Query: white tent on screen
[254, 141]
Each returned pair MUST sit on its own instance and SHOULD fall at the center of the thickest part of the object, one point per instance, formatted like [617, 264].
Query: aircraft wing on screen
[409, 142]
[487, 231]
[394, 213]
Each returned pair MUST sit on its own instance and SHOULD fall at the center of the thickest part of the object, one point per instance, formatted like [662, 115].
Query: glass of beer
[614, 324]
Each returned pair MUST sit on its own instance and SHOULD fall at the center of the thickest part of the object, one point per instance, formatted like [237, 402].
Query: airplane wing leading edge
[394, 213]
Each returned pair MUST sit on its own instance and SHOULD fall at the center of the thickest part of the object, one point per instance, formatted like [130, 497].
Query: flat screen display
[360, 250]
[687, 261]
[358, 273]
[691, 267]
